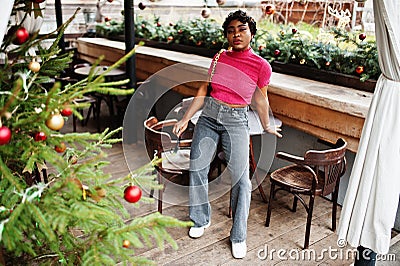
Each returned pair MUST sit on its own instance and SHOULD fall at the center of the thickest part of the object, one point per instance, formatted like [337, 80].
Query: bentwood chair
[174, 154]
[318, 173]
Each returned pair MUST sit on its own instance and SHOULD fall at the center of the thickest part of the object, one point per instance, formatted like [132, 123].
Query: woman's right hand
[179, 127]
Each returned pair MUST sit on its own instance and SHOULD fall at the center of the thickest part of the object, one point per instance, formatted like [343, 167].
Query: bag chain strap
[215, 63]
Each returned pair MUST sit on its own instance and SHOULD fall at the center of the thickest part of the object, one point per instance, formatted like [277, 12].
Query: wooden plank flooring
[286, 231]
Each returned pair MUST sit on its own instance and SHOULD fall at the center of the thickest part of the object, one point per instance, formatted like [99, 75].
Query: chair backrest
[158, 138]
[331, 162]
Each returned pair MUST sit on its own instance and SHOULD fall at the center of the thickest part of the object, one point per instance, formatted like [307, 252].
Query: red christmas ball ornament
[277, 52]
[38, 1]
[40, 136]
[359, 69]
[107, 18]
[205, 13]
[110, 1]
[269, 9]
[362, 36]
[294, 31]
[60, 148]
[21, 36]
[66, 111]
[55, 122]
[158, 24]
[5, 135]
[132, 194]
[141, 6]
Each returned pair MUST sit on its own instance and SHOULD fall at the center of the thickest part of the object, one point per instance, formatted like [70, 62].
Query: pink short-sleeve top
[237, 75]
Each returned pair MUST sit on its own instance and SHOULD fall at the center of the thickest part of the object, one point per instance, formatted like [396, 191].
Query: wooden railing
[320, 109]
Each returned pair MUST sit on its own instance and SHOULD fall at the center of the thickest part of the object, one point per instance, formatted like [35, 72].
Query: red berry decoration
[205, 13]
[110, 1]
[5, 135]
[60, 148]
[294, 31]
[40, 136]
[132, 194]
[141, 6]
[269, 9]
[21, 36]
[55, 122]
[158, 24]
[277, 52]
[359, 69]
[362, 36]
[107, 18]
[66, 111]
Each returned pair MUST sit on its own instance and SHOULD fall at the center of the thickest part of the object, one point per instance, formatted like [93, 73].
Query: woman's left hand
[274, 129]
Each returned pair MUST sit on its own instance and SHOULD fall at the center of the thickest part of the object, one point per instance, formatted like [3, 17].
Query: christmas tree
[57, 206]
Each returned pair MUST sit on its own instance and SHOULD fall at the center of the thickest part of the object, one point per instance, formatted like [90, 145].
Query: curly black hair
[242, 17]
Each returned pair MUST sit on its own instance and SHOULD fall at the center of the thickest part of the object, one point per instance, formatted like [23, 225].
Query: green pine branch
[76, 216]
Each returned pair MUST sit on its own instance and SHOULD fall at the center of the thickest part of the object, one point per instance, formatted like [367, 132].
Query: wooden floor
[280, 244]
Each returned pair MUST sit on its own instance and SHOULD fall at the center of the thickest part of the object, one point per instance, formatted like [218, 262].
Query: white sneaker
[196, 232]
[239, 250]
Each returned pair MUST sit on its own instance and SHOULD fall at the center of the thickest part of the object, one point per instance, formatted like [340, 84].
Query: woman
[238, 78]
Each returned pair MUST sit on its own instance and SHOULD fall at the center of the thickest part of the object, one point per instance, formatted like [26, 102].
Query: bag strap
[215, 63]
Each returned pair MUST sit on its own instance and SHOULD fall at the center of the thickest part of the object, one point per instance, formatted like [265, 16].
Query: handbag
[209, 87]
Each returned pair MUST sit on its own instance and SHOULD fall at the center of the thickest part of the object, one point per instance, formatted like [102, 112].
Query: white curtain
[5, 12]
[369, 208]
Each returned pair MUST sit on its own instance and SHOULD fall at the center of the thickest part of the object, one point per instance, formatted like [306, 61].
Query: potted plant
[348, 59]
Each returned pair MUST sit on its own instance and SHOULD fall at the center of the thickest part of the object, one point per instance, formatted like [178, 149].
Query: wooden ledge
[320, 109]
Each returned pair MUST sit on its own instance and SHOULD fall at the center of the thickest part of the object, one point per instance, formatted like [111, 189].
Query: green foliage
[196, 32]
[340, 51]
[74, 214]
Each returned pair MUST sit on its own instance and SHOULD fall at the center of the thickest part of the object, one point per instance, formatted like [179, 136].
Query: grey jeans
[221, 123]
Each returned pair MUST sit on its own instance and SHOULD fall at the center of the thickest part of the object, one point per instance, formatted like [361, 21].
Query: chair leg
[334, 209]
[271, 196]
[152, 190]
[90, 110]
[253, 170]
[309, 218]
[230, 204]
[294, 204]
[74, 122]
[98, 110]
[160, 193]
